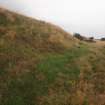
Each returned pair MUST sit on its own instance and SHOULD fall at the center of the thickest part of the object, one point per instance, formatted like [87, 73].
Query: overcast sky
[84, 16]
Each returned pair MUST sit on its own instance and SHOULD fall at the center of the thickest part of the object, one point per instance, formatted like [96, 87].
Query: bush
[91, 38]
[102, 39]
[78, 36]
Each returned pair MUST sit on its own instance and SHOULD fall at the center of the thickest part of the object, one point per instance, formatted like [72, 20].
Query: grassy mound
[40, 64]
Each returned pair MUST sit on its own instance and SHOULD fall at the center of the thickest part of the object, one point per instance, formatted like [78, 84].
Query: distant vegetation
[102, 39]
[40, 64]
[82, 38]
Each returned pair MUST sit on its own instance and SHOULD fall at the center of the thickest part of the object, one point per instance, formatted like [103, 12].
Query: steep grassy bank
[40, 64]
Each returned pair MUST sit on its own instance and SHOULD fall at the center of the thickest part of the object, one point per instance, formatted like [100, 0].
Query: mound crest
[39, 34]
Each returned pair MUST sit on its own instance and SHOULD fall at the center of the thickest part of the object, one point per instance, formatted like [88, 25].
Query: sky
[86, 17]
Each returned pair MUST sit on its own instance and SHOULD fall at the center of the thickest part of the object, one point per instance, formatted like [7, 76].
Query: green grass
[3, 20]
[52, 64]
[24, 89]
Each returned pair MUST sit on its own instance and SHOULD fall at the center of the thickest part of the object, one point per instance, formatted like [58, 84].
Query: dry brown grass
[40, 64]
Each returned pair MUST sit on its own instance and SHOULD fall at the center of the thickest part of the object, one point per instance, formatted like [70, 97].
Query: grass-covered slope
[40, 64]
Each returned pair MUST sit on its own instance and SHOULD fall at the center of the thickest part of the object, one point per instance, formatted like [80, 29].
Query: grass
[22, 90]
[2, 20]
[55, 63]
[25, 88]
[40, 64]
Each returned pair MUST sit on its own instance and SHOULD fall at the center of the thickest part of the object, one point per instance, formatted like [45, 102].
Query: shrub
[78, 36]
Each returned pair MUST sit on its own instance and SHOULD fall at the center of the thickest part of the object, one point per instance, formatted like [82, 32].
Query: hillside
[41, 64]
